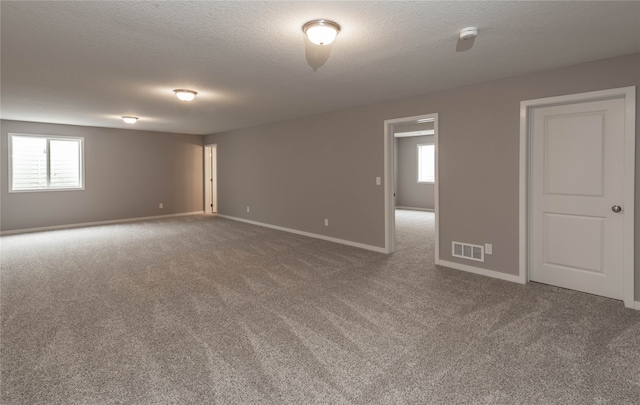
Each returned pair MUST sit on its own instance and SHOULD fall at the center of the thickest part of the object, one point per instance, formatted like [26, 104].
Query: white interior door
[577, 185]
[210, 180]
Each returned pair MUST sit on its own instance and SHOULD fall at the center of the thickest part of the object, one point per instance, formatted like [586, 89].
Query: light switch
[378, 181]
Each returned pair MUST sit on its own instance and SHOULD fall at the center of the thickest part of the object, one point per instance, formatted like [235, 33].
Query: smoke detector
[468, 33]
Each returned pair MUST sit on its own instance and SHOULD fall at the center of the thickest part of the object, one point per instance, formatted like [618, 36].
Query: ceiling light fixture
[321, 32]
[468, 33]
[185, 95]
[129, 119]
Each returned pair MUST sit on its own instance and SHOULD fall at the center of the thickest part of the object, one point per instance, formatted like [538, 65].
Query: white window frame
[418, 162]
[48, 137]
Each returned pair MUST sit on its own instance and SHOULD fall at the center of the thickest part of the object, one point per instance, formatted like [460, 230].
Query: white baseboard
[309, 234]
[83, 224]
[482, 272]
[414, 208]
[496, 274]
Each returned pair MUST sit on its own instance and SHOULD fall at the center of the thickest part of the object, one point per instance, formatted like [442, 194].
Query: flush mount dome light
[129, 119]
[185, 95]
[321, 32]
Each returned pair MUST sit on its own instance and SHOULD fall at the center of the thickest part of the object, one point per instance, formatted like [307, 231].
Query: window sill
[40, 190]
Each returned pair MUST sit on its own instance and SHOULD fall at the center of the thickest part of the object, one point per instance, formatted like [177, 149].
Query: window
[426, 164]
[40, 163]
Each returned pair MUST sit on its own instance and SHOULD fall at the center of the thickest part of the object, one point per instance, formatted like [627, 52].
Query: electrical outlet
[247, 208]
[378, 181]
[161, 205]
[326, 222]
[488, 248]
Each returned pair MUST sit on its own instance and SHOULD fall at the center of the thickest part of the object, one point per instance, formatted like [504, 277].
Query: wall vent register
[467, 251]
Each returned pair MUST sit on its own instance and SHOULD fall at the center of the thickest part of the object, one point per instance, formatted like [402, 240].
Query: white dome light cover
[321, 32]
[129, 119]
[185, 95]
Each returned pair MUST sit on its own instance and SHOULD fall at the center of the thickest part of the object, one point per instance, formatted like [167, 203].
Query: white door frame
[389, 180]
[215, 171]
[629, 96]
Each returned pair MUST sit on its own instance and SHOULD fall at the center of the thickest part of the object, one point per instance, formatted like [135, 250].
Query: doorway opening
[210, 179]
[410, 137]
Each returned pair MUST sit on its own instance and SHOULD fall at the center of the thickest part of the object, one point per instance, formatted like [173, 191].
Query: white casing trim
[415, 208]
[309, 234]
[83, 224]
[480, 271]
[636, 305]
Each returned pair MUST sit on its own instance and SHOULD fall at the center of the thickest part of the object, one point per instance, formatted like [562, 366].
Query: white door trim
[214, 191]
[629, 96]
[389, 186]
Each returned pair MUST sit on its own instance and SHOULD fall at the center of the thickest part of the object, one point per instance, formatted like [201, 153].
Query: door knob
[616, 208]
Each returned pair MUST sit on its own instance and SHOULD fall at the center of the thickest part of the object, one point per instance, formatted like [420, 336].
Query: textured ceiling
[88, 63]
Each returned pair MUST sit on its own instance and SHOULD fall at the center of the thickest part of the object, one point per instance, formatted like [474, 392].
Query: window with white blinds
[40, 162]
[426, 163]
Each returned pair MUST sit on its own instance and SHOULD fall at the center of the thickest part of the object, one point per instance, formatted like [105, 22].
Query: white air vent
[467, 251]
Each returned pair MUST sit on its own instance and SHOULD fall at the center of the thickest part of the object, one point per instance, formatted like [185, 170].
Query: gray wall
[127, 174]
[297, 172]
[410, 193]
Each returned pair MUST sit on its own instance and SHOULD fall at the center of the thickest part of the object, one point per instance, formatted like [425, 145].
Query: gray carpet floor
[204, 310]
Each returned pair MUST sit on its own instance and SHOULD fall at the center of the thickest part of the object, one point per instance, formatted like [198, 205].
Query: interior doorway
[210, 179]
[420, 125]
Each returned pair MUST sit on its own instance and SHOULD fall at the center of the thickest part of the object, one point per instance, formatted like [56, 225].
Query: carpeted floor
[204, 310]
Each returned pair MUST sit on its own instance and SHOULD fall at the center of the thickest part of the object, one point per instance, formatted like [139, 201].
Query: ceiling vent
[467, 251]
